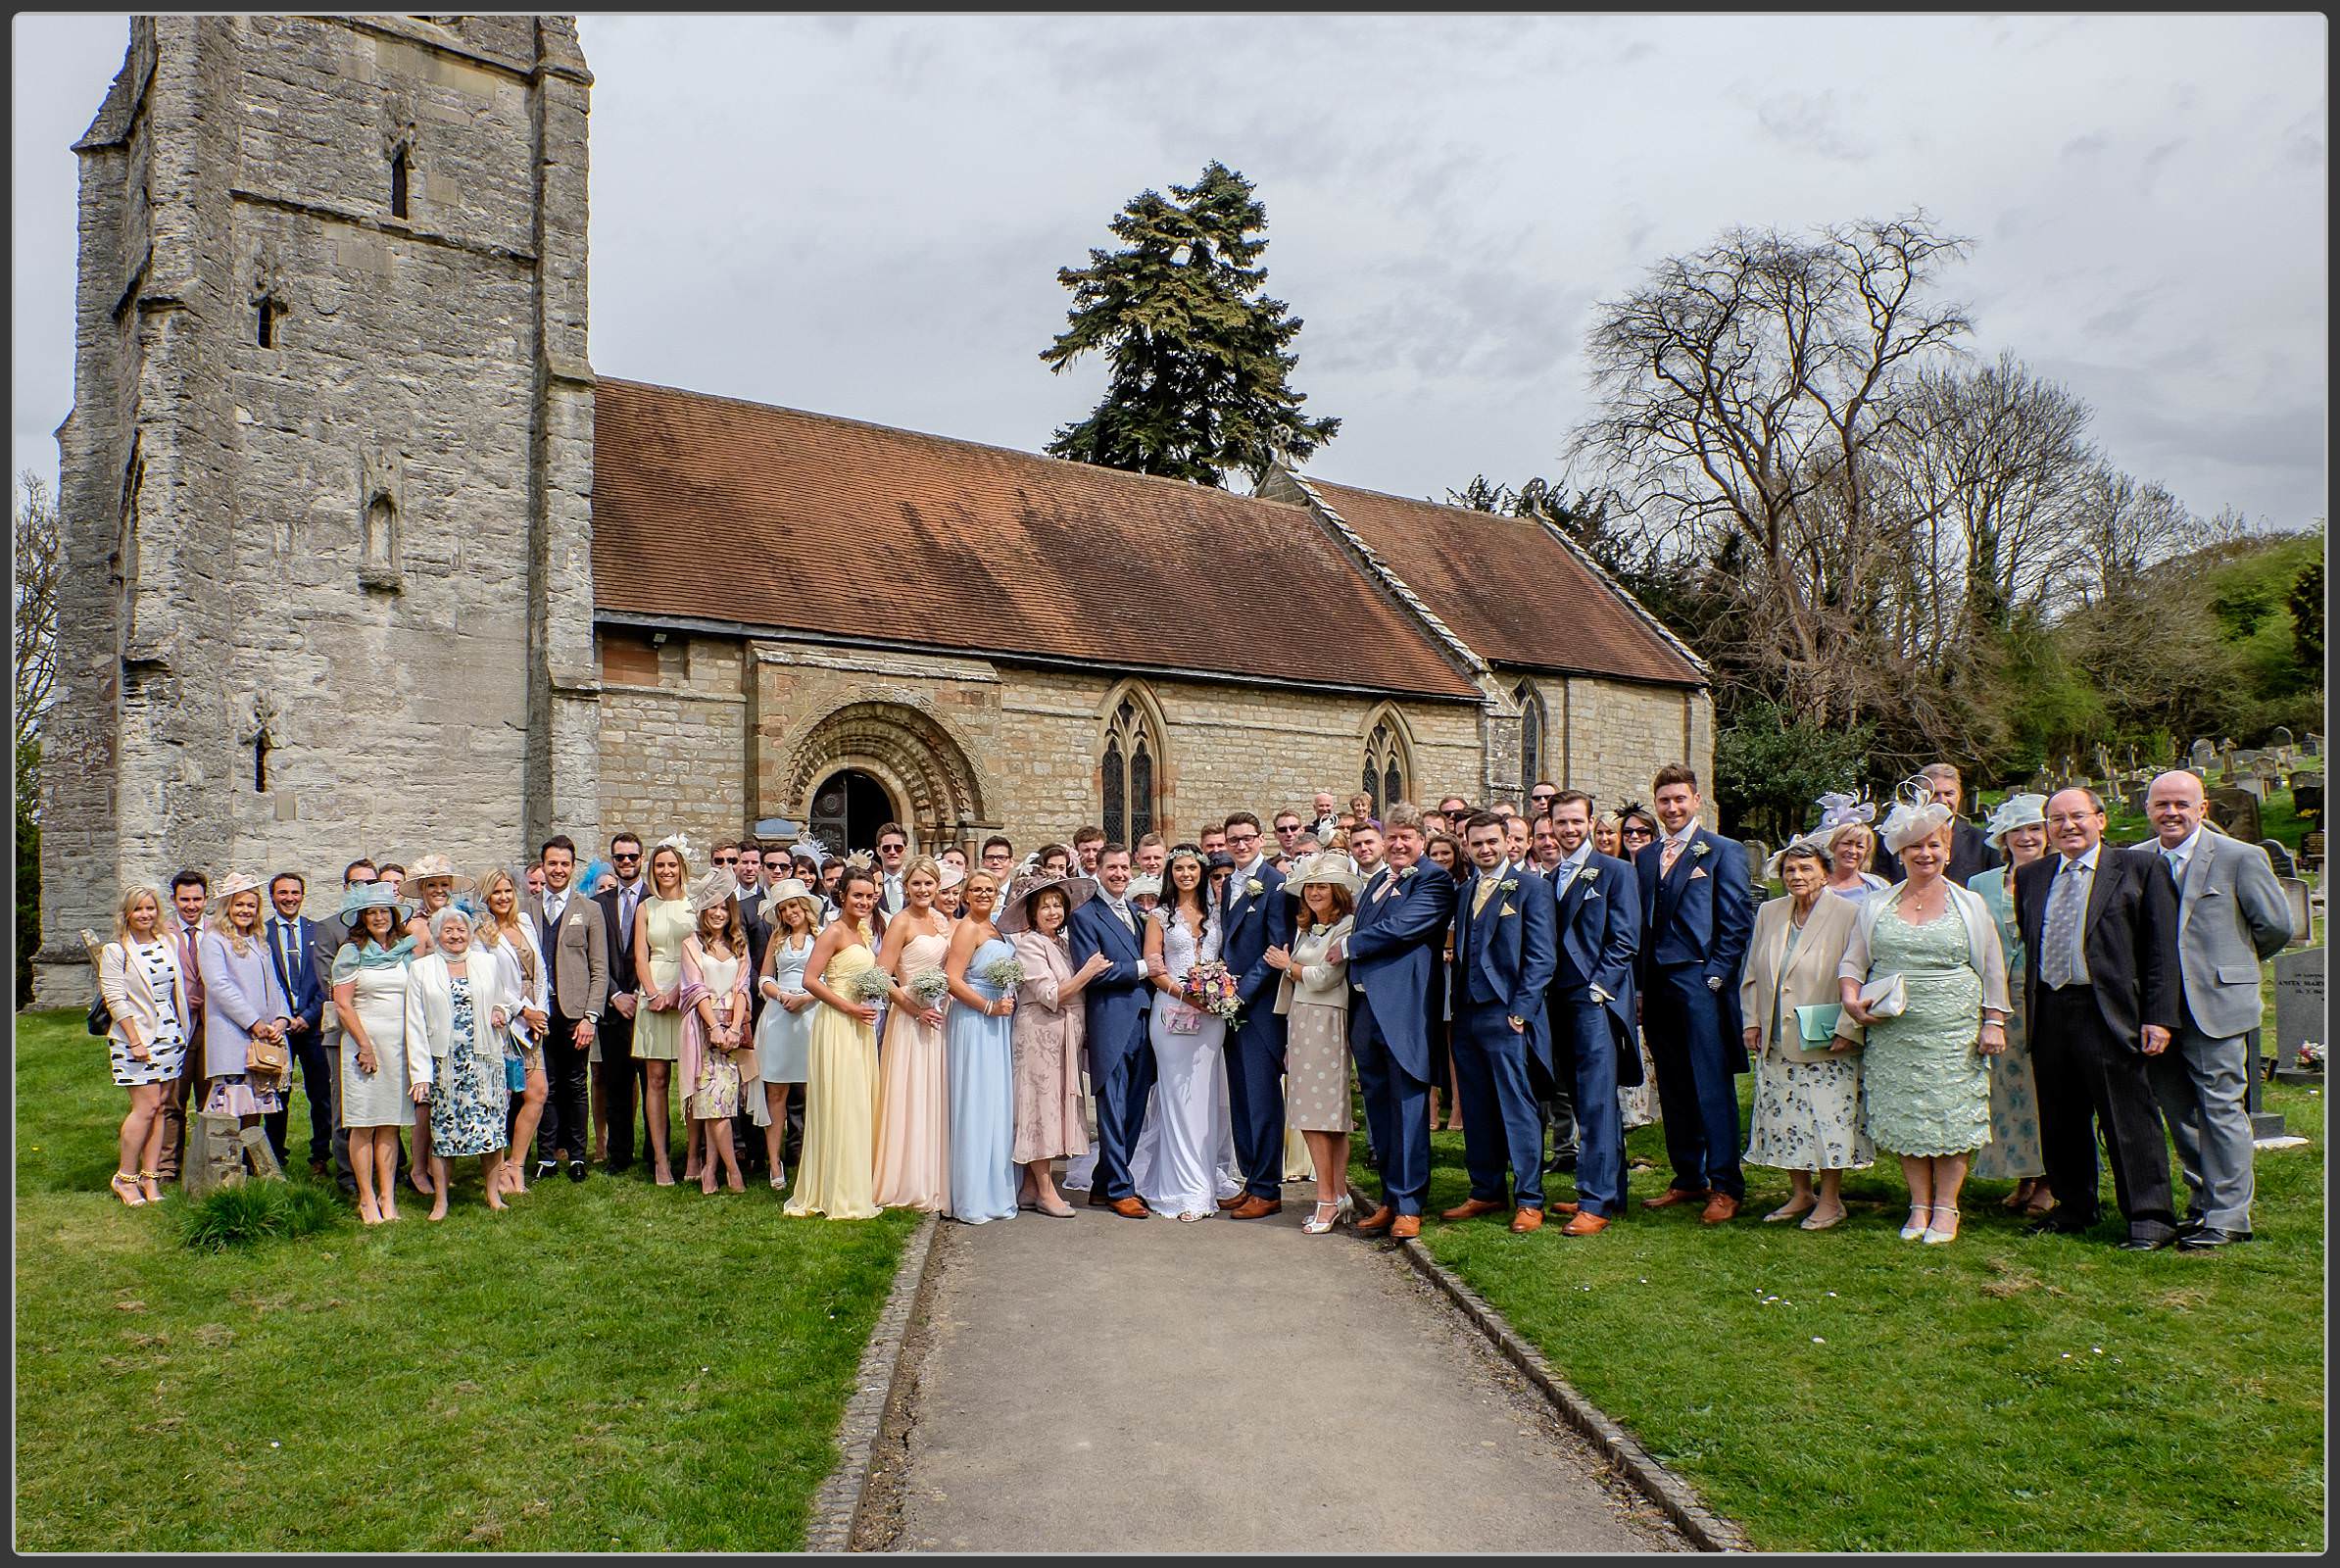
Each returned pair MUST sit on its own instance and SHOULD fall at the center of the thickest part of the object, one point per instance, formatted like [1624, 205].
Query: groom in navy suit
[1254, 916]
[1598, 901]
[1120, 1058]
[1503, 956]
[1699, 911]
[1400, 912]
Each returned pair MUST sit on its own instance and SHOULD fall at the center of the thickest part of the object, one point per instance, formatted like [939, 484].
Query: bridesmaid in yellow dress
[840, 1092]
[914, 1128]
[661, 926]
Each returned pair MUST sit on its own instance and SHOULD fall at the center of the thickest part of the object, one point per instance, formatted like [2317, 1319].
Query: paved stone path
[1110, 1385]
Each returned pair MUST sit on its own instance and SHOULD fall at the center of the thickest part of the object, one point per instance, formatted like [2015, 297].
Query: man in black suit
[1971, 854]
[292, 948]
[2102, 978]
[572, 937]
[616, 1070]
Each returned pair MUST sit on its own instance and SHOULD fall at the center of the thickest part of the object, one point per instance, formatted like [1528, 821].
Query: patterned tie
[1486, 890]
[2060, 960]
[1671, 854]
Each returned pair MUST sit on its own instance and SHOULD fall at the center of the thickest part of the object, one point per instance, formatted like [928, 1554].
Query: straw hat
[1329, 867]
[437, 867]
[1821, 840]
[715, 886]
[237, 883]
[2017, 811]
[1145, 885]
[1077, 891]
[790, 890]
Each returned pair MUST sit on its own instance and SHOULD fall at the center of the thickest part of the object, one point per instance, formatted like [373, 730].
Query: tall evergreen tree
[1201, 359]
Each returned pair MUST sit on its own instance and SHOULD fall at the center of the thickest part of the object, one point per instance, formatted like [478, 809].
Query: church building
[362, 556]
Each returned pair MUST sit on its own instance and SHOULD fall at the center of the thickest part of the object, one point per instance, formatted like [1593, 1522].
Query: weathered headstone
[2279, 857]
[2252, 785]
[2299, 1005]
[2042, 783]
[1758, 852]
[2313, 746]
[2312, 852]
[2226, 756]
[2295, 891]
[2104, 764]
[2136, 798]
[2282, 735]
[2202, 756]
[2307, 795]
[2236, 813]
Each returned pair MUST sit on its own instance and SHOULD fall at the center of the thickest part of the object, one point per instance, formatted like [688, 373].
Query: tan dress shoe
[1254, 1207]
[1720, 1207]
[1236, 1201]
[1132, 1208]
[1560, 1208]
[1377, 1222]
[1405, 1227]
[1585, 1225]
[1471, 1209]
[1676, 1194]
[1527, 1221]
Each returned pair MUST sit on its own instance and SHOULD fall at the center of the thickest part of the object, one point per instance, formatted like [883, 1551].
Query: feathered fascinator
[680, 844]
[1838, 809]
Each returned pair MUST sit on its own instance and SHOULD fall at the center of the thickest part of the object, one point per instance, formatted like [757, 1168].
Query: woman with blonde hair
[784, 1032]
[835, 1170]
[1924, 975]
[913, 1131]
[1313, 997]
[661, 924]
[369, 999]
[507, 937]
[243, 1005]
[139, 977]
[1845, 835]
[458, 1007]
[1608, 835]
[718, 1059]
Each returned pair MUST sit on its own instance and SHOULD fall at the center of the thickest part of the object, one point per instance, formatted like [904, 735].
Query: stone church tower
[325, 486]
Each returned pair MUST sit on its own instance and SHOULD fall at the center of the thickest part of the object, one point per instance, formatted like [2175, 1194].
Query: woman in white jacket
[460, 1001]
[138, 975]
[1313, 997]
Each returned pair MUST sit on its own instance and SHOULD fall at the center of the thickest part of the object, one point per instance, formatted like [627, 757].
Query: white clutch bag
[1885, 997]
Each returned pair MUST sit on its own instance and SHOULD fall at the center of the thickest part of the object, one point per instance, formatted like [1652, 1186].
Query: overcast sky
[864, 215]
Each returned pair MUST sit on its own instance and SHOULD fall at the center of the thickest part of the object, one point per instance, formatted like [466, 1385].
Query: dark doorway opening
[849, 809]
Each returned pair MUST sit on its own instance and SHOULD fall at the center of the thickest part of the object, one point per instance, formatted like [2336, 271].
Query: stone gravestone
[2295, 891]
[2254, 786]
[2282, 735]
[2313, 746]
[2299, 1011]
[2236, 813]
[2280, 859]
[2307, 794]
[2103, 765]
[1758, 852]
[2202, 756]
[2226, 756]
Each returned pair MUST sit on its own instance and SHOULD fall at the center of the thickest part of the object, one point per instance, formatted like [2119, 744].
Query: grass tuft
[256, 1211]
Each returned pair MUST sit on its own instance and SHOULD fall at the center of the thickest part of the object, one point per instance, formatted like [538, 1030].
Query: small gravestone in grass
[2299, 1013]
[2279, 857]
[2202, 755]
[2236, 813]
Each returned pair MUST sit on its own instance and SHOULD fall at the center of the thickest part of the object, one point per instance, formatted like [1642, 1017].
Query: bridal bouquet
[1003, 974]
[1209, 988]
[872, 985]
[929, 986]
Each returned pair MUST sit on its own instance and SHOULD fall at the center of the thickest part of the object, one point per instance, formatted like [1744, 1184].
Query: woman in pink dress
[1048, 1024]
[914, 1128]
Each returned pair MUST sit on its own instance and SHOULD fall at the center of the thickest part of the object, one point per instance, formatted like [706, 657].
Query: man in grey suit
[2231, 915]
[569, 933]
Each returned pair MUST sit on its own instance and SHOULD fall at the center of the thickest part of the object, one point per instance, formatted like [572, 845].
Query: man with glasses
[1288, 829]
[893, 852]
[998, 857]
[1540, 797]
[614, 1076]
[1254, 916]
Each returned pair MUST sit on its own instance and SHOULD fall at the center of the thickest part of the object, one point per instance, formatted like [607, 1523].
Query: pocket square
[1507, 909]
[1696, 872]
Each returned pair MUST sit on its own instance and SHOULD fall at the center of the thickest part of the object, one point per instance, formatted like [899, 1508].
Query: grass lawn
[1844, 1391]
[611, 1366]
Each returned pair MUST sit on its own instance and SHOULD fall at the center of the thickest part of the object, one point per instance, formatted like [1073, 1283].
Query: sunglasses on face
[728, 860]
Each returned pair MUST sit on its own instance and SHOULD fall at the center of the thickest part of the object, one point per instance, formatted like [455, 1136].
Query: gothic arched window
[1128, 768]
[1385, 766]
[1531, 704]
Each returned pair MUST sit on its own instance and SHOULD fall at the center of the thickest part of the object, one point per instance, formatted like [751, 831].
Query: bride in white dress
[1175, 1163]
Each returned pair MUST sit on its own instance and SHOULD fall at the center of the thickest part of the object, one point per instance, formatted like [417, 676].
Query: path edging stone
[837, 1504]
[1673, 1496]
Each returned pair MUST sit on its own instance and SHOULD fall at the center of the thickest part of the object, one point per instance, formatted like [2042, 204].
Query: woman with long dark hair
[1175, 1166]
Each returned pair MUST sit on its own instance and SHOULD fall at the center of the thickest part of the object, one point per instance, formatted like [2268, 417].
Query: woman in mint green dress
[1927, 1074]
[2018, 830]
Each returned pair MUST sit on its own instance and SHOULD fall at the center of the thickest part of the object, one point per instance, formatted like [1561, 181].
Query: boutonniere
[1510, 884]
[1700, 848]
[1253, 886]
[1591, 874]
[1408, 872]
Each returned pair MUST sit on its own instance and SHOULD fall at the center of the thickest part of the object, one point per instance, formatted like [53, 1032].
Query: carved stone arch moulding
[904, 748]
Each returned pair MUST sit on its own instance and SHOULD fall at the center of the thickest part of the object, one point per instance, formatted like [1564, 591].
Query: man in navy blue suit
[1254, 916]
[1599, 913]
[1120, 1058]
[1503, 956]
[1400, 912]
[292, 948]
[1699, 911]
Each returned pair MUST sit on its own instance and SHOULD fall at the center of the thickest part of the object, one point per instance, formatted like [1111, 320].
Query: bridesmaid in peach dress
[914, 1128]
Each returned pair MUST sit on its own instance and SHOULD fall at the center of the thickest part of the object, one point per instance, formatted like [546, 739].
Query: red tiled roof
[1509, 589]
[710, 508]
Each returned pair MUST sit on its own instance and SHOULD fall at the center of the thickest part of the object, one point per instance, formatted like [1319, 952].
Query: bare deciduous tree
[36, 558]
[1746, 394]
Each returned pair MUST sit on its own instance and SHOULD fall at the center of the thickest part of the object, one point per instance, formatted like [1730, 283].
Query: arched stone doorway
[848, 808]
[901, 755]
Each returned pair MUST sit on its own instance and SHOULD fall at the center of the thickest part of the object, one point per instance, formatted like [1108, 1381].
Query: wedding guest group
[1181, 1029]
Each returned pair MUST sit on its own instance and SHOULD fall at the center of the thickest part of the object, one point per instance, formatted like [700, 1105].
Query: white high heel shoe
[1318, 1222]
[1917, 1227]
[1934, 1236]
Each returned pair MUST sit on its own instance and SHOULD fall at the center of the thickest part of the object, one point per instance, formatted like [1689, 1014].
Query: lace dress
[2013, 1149]
[1177, 1163]
[1927, 1086]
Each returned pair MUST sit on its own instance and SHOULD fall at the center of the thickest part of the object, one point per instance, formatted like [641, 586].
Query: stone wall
[966, 747]
[330, 593]
[1609, 737]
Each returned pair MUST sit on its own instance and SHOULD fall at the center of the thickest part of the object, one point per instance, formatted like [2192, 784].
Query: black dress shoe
[2052, 1226]
[544, 1168]
[576, 1170]
[2204, 1238]
[2146, 1244]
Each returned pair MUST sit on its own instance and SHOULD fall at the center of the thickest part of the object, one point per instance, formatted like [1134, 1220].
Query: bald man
[2232, 914]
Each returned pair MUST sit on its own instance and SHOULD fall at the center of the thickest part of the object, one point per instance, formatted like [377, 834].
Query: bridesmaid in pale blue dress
[784, 1033]
[981, 1064]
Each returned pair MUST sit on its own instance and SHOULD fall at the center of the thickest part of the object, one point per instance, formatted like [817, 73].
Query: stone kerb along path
[1109, 1385]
